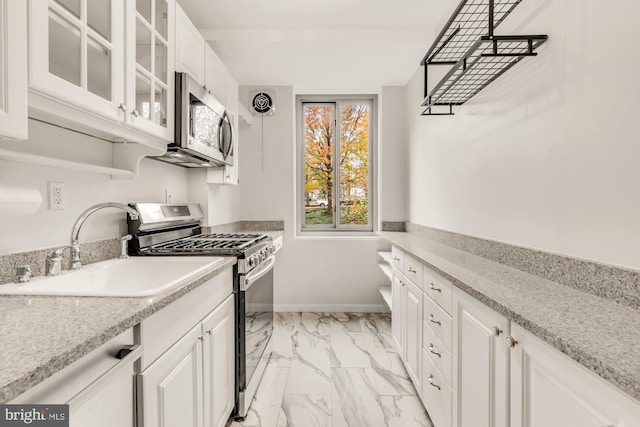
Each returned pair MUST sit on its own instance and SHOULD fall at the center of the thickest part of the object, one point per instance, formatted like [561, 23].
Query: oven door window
[258, 326]
[204, 123]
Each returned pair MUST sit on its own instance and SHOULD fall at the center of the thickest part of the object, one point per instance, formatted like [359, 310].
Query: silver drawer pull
[433, 320]
[411, 270]
[433, 287]
[433, 384]
[395, 258]
[432, 351]
[127, 356]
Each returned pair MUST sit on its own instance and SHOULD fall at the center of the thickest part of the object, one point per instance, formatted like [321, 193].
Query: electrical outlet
[56, 195]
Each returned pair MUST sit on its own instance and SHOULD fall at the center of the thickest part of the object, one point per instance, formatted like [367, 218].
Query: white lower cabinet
[436, 393]
[406, 323]
[172, 386]
[550, 390]
[219, 364]
[188, 371]
[413, 340]
[99, 387]
[474, 368]
[482, 367]
[397, 311]
[192, 383]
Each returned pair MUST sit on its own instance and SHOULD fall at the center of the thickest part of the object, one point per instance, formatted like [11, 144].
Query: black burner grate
[231, 243]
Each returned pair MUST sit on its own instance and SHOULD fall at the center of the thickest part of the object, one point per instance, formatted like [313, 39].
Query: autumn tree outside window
[335, 153]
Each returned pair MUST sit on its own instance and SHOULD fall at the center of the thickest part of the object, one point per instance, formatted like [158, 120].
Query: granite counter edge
[595, 365]
[20, 385]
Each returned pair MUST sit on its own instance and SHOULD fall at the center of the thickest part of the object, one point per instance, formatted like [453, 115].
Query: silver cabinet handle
[433, 384]
[511, 341]
[432, 319]
[135, 113]
[433, 287]
[122, 107]
[497, 331]
[411, 270]
[432, 351]
[395, 258]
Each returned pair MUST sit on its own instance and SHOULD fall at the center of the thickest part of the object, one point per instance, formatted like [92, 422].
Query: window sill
[335, 235]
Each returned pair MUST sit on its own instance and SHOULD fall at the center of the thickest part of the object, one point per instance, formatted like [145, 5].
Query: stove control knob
[251, 261]
[259, 257]
[272, 249]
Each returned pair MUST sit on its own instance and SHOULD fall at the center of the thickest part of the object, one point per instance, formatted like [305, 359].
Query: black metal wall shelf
[478, 56]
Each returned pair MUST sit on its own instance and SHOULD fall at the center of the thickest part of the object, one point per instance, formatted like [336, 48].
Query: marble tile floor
[334, 369]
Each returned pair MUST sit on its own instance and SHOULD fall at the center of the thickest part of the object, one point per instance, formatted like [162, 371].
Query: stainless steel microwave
[203, 129]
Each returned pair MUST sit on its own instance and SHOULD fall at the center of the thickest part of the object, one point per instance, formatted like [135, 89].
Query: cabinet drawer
[397, 258]
[439, 289]
[439, 321]
[439, 354]
[436, 394]
[72, 380]
[413, 270]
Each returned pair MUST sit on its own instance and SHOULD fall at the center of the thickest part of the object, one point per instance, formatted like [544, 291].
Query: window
[335, 159]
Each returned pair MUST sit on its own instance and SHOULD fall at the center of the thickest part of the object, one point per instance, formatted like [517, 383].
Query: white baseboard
[333, 308]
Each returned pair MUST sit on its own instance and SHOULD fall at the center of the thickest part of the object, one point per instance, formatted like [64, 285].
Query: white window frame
[336, 227]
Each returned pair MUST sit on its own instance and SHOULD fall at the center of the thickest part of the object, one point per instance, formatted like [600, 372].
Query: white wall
[547, 155]
[47, 228]
[312, 273]
[392, 158]
[220, 203]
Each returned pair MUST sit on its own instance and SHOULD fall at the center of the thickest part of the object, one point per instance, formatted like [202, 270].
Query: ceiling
[333, 44]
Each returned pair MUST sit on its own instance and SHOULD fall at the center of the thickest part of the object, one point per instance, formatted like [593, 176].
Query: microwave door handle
[255, 276]
[226, 150]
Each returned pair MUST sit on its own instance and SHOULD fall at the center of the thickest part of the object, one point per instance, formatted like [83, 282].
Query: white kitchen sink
[131, 277]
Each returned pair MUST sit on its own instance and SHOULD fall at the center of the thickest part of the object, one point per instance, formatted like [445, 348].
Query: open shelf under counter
[385, 292]
[386, 256]
[386, 269]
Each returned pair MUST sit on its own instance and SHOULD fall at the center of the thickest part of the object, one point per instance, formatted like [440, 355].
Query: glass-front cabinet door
[13, 69]
[77, 53]
[150, 66]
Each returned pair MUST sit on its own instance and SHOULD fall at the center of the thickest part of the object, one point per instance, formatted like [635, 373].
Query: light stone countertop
[598, 333]
[41, 335]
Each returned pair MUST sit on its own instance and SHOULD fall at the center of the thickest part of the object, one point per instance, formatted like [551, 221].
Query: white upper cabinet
[13, 69]
[150, 66]
[190, 47]
[76, 53]
[215, 75]
[109, 58]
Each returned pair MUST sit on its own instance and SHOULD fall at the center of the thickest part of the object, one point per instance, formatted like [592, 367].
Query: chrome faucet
[53, 264]
[75, 232]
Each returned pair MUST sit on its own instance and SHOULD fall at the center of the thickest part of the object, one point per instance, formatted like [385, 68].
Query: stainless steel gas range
[163, 229]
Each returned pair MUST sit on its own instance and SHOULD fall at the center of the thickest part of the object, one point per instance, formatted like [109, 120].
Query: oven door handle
[265, 267]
